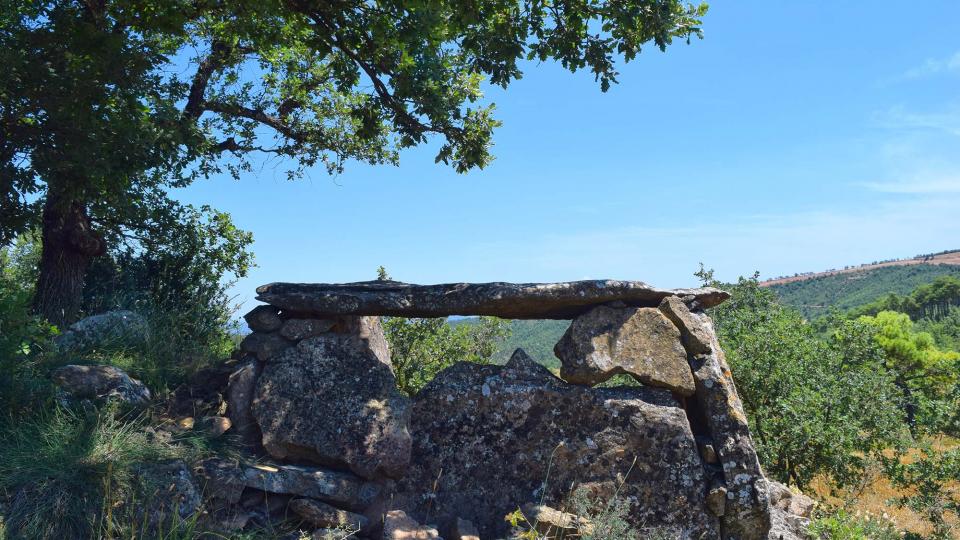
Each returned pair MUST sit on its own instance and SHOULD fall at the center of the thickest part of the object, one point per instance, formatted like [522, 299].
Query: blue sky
[796, 136]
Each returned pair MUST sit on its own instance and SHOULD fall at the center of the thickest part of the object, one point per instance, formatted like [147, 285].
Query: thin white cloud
[915, 186]
[934, 66]
[946, 120]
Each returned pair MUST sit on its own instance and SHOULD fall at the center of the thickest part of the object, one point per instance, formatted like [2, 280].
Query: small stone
[264, 346]
[696, 339]
[104, 383]
[464, 529]
[794, 503]
[707, 452]
[640, 342]
[297, 329]
[319, 514]
[185, 424]
[214, 426]
[397, 525]
[717, 500]
[263, 319]
[547, 519]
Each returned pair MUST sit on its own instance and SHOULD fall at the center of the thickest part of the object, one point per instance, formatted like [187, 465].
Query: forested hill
[814, 297]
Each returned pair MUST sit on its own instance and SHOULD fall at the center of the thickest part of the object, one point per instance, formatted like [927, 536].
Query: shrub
[842, 525]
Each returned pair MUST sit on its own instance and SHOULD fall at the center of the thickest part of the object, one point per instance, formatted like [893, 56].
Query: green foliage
[176, 275]
[816, 297]
[842, 525]
[928, 482]
[421, 348]
[923, 373]
[815, 406]
[945, 329]
[69, 471]
[23, 336]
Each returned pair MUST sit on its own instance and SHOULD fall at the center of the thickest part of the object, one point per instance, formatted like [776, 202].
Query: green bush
[816, 406]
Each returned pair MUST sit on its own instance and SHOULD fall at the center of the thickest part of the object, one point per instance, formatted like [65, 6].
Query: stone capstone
[490, 439]
[506, 300]
[100, 383]
[226, 480]
[331, 400]
[640, 342]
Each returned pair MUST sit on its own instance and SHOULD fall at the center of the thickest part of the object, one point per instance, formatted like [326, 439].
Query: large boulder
[332, 400]
[490, 439]
[119, 328]
[103, 383]
[640, 342]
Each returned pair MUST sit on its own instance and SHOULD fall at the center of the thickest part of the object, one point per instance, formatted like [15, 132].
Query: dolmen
[315, 396]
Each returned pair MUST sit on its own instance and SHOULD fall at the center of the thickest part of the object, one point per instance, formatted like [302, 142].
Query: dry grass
[875, 494]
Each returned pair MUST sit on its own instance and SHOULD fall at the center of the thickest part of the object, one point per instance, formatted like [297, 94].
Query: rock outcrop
[490, 439]
[505, 300]
[640, 342]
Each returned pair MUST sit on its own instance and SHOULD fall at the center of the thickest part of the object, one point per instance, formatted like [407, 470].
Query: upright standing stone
[332, 400]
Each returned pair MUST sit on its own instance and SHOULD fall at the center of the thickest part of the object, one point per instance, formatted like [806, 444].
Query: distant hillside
[949, 257]
[847, 290]
[537, 338]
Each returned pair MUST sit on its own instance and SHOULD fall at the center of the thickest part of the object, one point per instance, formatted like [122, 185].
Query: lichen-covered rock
[332, 401]
[640, 342]
[506, 300]
[320, 514]
[264, 346]
[119, 328]
[695, 338]
[226, 479]
[101, 383]
[747, 512]
[397, 525]
[490, 439]
[297, 329]
[785, 499]
[263, 319]
[240, 392]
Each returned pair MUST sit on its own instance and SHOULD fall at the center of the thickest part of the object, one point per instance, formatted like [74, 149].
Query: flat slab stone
[507, 300]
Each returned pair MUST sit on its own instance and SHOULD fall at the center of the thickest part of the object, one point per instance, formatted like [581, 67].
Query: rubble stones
[105, 383]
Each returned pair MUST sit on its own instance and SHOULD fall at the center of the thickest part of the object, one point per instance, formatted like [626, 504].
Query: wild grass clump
[68, 471]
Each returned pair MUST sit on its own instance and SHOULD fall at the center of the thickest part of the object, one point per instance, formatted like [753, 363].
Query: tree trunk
[69, 243]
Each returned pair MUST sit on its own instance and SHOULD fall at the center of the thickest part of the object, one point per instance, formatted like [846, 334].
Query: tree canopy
[106, 104]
